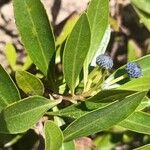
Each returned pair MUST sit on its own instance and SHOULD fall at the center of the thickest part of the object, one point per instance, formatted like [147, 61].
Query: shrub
[77, 99]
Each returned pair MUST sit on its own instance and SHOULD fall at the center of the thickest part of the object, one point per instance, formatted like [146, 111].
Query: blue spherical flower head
[134, 70]
[104, 61]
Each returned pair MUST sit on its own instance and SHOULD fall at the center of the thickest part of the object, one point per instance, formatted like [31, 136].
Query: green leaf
[137, 122]
[67, 29]
[8, 90]
[143, 62]
[35, 31]
[131, 50]
[144, 18]
[68, 146]
[29, 83]
[143, 5]
[145, 147]
[27, 64]
[76, 50]
[145, 103]
[11, 55]
[23, 115]
[98, 14]
[53, 136]
[103, 45]
[98, 101]
[140, 84]
[101, 119]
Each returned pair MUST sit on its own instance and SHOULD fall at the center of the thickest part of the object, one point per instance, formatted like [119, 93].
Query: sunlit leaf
[138, 122]
[24, 114]
[145, 147]
[11, 55]
[101, 119]
[36, 33]
[8, 90]
[143, 5]
[75, 52]
[98, 101]
[29, 83]
[98, 12]
[140, 84]
[53, 136]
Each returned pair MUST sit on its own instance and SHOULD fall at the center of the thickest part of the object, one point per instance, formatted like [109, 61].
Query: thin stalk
[90, 78]
[118, 79]
[105, 86]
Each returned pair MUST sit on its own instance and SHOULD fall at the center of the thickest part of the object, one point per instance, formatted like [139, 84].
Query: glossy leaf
[145, 147]
[53, 136]
[143, 5]
[98, 101]
[138, 122]
[103, 45]
[8, 90]
[29, 83]
[140, 84]
[143, 62]
[75, 52]
[144, 104]
[11, 55]
[27, 64]
[98, 12]
[35, 31]
[101, 119]
[23, 115]
[144, 18]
